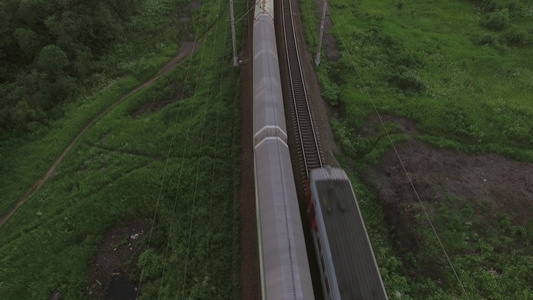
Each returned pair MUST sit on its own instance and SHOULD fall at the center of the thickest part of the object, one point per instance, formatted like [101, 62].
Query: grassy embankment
[182, 157]
[462, 70]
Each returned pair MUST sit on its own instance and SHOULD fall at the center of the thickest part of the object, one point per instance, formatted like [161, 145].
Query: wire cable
[197, 166]
[247, 12]
[398, 156]
[213, 170]
[175, 123]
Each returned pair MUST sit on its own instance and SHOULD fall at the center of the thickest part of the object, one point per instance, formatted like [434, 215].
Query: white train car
[283, 258]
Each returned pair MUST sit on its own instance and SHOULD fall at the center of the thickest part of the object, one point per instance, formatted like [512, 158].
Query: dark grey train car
[283, 258]
[347, 264]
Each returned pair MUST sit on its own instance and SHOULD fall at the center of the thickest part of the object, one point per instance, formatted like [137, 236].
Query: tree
[52, 59]
[28, 41]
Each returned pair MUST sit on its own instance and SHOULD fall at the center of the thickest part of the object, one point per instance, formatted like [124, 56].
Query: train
[348, 268]
[283, 261]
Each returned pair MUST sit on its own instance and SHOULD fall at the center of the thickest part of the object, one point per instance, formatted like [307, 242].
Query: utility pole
[317, 59]
[235, 58]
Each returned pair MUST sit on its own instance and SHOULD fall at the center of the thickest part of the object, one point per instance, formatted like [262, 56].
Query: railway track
[309, 152]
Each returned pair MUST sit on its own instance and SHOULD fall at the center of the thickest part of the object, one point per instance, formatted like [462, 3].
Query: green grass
[27, 160]
[426, 64]
[183, 157]
[468, 87]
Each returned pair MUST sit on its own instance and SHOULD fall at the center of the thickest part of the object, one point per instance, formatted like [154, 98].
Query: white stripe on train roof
[267, 128]
[269, 138]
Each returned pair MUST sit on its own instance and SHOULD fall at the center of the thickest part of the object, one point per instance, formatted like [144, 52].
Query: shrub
[488, 40]
[497, 20]
[399, 4]
[331, 93]
[408, 58]
[517, 9]
[515, 37]
[407, 80]
[489, 5]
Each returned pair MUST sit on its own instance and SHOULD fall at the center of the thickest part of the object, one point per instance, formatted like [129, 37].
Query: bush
[408, 59]
[517, 9]
[489, 5]
[399, 4]
[515, 37]
[407, 80]
[497, 20]
[331, 93]
[488, 40]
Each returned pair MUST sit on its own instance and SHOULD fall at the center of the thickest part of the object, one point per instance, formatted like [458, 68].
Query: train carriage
[283, 258]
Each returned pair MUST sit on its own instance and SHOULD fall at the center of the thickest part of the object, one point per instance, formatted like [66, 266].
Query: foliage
[50, 51]
[497, 20]
[52, 59]
[461, 70]
[516, 37]
[177, 163]
[407, 80]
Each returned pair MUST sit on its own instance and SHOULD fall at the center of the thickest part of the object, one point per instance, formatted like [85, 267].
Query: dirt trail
[186, 49]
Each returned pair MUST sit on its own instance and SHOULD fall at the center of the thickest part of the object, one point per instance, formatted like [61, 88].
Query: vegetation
[177, 163]
[462, 71]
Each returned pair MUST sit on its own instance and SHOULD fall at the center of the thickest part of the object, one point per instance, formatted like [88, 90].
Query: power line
[197, 165]
[400, 159]
[166, 165]
[213, 171]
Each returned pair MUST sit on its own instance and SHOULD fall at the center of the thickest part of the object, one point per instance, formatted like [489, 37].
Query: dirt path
[186, 49]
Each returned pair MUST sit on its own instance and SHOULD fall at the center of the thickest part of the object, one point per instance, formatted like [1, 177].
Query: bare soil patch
[504, 184]
[150, 107]
[489, 180]
[116, 261]
[373, 125]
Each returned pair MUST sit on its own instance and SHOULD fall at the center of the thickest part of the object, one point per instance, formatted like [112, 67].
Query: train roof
[353, 259]
[282, 244]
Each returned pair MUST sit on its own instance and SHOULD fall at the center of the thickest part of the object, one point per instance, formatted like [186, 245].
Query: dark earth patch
[373, 125]
[503, 184]
[121, 288]
[110, 271]
[493, 185]
[153, 106]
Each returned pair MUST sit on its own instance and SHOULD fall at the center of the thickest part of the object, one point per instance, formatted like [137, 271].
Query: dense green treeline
[52, 52]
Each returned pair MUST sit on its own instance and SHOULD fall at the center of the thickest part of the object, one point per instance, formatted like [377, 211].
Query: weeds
[118, 171]
[461, 70]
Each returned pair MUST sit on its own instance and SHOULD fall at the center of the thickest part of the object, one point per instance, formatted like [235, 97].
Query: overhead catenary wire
[175, 123]
[217, 121]
[171, 229]
[197, 165]
[426, 214]
[248, 11]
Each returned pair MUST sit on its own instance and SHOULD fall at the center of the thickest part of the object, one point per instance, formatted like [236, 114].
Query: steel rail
[310, 152]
